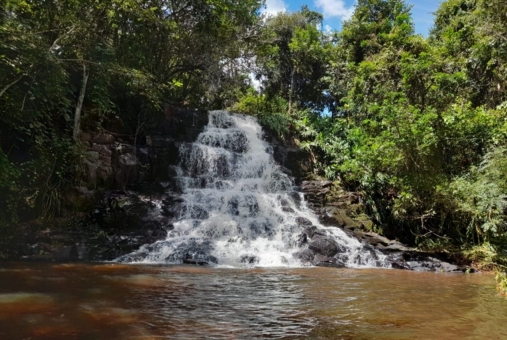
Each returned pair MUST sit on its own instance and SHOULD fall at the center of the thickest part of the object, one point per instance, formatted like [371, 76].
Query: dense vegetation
[418, 125]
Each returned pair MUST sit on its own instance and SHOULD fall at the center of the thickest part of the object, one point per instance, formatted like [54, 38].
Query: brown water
[74, 301]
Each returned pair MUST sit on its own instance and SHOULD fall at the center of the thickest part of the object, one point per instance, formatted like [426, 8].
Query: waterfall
[238, 208]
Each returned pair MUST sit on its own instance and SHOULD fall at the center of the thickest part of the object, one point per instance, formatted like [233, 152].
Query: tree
[292, 59]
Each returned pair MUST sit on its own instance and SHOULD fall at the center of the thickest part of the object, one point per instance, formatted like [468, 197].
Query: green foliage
[414, 119]
[292, 60]
[272, 113]
[419, 125]
[139, 55]
[501, 279]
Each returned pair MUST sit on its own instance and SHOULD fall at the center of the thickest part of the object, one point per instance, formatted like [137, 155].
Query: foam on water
[239, 208]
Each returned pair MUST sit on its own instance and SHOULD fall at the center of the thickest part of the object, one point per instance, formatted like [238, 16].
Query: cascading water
[238, 208]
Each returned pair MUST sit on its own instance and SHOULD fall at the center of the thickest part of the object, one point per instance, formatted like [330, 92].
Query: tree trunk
[291, 91]
[79, 107]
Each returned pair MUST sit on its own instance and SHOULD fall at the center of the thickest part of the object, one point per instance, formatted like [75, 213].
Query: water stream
[239, 208]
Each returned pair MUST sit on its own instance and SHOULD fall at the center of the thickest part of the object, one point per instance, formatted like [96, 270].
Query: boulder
[91, 156]
[103, 150]
[85, 137]
[249, 259]
[303, 222]
[103, 139]
[199, 258]
[305, 255]
[325, 246]
[324, 261]
[339, 217]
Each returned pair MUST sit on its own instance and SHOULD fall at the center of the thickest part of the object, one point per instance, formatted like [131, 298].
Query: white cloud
[334, 8]
[274, 7]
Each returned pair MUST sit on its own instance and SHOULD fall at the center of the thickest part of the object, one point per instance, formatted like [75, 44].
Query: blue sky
[335, 11]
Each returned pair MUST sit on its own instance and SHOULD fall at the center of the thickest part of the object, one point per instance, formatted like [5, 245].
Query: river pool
[113, 301]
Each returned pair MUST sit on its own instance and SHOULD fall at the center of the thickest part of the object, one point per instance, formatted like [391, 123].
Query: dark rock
[126, 169]
[105, 161]
[306, 255]
[67, 253]
[310, 231]
[400, 265]
[102, 149]
[103, 139]
[295, 161]
[302, 239]
[90, 176]
[159, 141]
[324, 261]
[181, 124]
[104, 173]
[79, 199]
[249, 259]
[325, 246]
[417, 261]
[199, 258]
[303, 222]
[85, 137]
[91, 156]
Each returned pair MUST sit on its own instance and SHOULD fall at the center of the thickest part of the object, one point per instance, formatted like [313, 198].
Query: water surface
[113, 301]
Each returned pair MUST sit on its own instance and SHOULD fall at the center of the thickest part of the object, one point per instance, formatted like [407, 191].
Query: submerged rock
[324, 261]
[249, 259]
[199, 258]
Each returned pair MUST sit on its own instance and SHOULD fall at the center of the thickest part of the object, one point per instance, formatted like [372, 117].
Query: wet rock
[303, 222]
[305, 255]
[324, 261]
[417, 261]
[400, 265]
[199, 258]
[310, 231]
[297, 161]
[302, 239]
[325, 246]
[288, 210]
[249, 259]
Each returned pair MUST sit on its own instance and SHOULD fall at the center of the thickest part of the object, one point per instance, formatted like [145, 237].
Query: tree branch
[6, 87]
[53, 46]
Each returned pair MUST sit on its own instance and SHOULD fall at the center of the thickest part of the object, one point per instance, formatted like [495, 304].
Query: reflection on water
[44, 301]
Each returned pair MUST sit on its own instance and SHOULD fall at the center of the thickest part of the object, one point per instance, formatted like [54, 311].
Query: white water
[239, 207]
